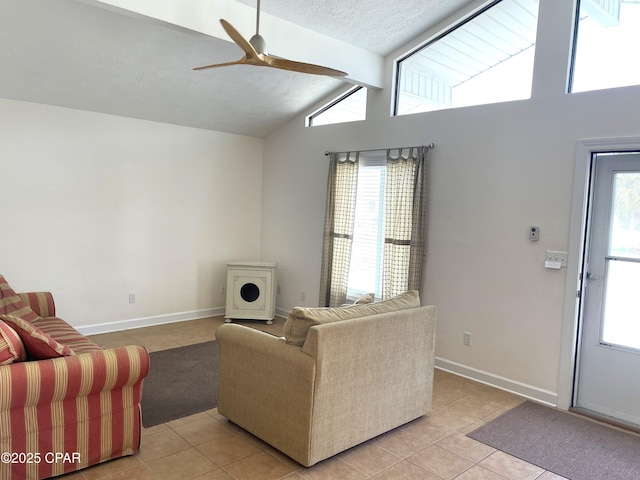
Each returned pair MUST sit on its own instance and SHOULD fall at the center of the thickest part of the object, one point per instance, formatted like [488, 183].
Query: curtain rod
[431, 145]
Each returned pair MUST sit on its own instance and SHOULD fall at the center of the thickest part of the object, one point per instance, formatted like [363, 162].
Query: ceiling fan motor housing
[259, 44]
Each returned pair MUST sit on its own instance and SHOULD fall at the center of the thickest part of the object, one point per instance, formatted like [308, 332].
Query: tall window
[487, 58]
[374, 225]
[606, 45]
[365, 271]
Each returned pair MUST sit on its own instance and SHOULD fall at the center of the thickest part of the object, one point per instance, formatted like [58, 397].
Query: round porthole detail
[249, 292]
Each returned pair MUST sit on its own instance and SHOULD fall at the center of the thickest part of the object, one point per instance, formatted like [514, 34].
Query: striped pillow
[11, 303]
[11, 347]
[65, 333]
[38, 344]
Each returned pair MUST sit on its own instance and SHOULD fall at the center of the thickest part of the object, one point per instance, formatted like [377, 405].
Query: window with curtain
[374, 235]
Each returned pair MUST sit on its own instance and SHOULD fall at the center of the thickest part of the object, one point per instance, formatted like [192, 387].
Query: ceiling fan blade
[242, 61]
[257, 55]
[239, 39]
[302, 67]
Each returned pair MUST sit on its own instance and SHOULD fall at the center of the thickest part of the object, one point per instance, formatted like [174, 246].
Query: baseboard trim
[149, 321]
[522, 389]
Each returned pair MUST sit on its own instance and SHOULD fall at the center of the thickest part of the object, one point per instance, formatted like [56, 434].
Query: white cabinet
[251, 291]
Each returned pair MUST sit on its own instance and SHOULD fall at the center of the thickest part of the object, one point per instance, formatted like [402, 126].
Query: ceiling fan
[255, 53]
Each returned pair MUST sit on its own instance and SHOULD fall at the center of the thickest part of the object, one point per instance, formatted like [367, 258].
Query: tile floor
[206, 446]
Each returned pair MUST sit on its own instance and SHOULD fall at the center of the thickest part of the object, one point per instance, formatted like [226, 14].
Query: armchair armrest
[266, 387]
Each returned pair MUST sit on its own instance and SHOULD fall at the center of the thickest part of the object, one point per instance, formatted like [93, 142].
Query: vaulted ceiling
[134, 57]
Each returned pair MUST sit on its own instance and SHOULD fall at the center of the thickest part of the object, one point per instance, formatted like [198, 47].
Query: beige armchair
[351, 380]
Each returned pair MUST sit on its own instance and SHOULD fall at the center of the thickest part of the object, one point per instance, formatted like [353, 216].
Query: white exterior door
[608, 381]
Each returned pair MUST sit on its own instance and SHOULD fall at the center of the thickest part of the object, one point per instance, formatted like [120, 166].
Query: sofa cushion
[11, 347]
[12, 304]
[39, 345]
[301, 319]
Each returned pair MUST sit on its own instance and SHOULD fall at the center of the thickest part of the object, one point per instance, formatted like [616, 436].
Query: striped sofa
[62, 414]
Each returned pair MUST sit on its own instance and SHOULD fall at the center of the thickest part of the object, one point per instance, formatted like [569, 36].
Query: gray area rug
[181, 381]
[568, 445]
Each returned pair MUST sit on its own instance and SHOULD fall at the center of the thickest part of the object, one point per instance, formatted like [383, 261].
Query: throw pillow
[301, 319]
[368, 298]
[38, 344]
[66, 334]
[12, 304]
[11, 347]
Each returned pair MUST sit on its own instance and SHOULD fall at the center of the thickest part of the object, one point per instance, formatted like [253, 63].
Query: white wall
[97, 206]
[495, 171]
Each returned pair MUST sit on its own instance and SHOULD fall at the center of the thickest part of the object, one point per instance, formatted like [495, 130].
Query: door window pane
[621, 320]
[625, 225]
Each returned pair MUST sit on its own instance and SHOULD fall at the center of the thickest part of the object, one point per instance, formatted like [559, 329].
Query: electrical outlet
[223, 289]
[466, 339]
[303, 296]
[278, 290]
[132, 298]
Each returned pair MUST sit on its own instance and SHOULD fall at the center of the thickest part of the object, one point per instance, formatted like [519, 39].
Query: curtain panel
[405, 222]
[340, 210]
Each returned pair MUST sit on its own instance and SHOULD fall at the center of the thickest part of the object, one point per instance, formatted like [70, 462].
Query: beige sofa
[339, 377]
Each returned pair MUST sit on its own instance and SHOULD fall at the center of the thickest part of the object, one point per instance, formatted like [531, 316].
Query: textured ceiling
[80, 55]
[380, 26]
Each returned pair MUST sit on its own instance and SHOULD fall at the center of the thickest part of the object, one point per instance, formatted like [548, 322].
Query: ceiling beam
[284, 39]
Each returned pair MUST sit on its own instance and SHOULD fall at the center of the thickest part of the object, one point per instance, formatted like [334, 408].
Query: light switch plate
[553, 256]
